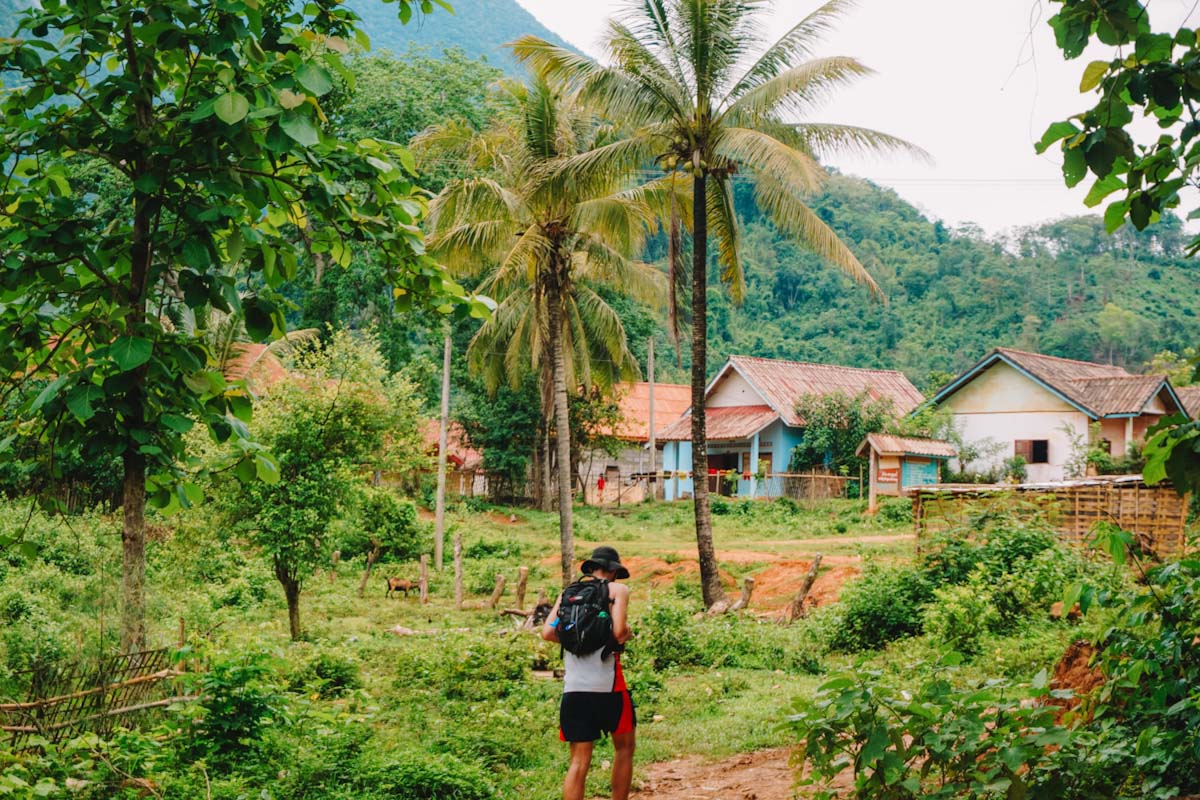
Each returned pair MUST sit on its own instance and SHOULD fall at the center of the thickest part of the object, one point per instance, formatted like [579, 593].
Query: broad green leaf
[1092, 75]
[246, 471]
[315, 78]
[231, 108]
[130, 352]
[177, 422]
[299, 128]
[80, 399]
[266, 468]
[49, 393]
[240, 407]
[1056, 132]
[28, 549]
[1102, 188]
[289, 99]
[1074, 166]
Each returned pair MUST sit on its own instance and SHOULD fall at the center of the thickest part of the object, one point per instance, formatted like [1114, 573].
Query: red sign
[887, 476]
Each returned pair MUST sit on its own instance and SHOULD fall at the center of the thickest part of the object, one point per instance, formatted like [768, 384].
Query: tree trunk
[133, 544]
[562, 424]
[291, 590]
[710, 578]
[439, 524]
[458, 572]
[547, 485]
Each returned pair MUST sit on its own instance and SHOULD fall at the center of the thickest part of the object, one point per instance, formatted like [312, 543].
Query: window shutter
[1024, 449]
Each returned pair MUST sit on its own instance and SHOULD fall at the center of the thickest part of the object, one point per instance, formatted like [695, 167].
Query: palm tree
[553, 242]
[688, 77]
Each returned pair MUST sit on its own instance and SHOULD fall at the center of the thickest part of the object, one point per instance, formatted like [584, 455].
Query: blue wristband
[554, 623]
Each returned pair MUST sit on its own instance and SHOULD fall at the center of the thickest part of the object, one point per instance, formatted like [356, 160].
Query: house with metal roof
[751, 420]
[1037, 407]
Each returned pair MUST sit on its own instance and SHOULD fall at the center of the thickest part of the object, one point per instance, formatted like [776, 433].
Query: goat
[401, 585]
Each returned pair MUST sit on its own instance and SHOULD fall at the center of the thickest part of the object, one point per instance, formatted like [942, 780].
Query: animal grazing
[401, 585]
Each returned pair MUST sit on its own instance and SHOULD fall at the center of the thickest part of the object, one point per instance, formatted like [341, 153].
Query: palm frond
[827, 139]
[797, 43]
[793, 216]
[627, 50]
[796, 91]
[723, 225]
[765, 154]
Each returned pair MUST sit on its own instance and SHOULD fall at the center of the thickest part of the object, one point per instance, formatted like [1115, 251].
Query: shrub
[494, 548]
[384, 518]
[667, 638]
[419, 776]
[896, 510]
[960, 616]
[329, 675]
[882, 606]
[239, 699]
[719, 506]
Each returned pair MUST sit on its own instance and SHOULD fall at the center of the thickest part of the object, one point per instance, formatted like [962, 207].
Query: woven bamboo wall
[1156, 514]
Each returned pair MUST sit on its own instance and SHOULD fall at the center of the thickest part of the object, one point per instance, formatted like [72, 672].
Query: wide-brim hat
[605, 558]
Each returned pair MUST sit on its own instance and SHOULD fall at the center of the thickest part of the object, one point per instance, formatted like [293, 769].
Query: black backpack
[584, 622]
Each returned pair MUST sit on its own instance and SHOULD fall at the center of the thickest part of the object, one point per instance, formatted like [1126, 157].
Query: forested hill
[1065, 288]
[479, 27]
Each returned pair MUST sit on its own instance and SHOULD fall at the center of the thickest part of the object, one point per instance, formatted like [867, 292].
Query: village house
[752, 424]
[1013, 403]
[625, 475]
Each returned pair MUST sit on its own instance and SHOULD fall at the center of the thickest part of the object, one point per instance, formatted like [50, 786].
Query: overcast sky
[974, 82]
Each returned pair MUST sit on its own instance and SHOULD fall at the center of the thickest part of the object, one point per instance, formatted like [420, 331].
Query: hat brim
[593, 564]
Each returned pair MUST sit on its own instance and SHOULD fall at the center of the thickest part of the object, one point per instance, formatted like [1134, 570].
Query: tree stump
[744, 600]
[497, 592]
[372, 557]
[797, 608]
[522, 583]
[337, 558]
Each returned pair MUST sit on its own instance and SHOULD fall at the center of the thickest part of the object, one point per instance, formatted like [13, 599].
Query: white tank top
[591, 673]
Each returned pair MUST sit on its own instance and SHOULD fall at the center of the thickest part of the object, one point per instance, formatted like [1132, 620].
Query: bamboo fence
[1156, 514]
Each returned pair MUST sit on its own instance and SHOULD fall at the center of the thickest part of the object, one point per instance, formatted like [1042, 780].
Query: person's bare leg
[576, 780]
[622, 773]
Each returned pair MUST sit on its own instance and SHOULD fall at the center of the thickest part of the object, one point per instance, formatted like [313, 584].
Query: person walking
[595, 697]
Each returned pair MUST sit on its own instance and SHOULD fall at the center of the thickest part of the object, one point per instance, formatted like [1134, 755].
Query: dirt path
[764, 775]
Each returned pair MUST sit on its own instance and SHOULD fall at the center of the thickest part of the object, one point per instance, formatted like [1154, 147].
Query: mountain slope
[479, 27]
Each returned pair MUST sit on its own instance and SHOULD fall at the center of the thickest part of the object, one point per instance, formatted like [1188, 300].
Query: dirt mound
[764, 775]
[661, 572]
[778, 584]
[1075, 672]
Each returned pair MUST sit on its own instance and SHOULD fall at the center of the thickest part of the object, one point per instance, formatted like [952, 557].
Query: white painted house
[1032, 405]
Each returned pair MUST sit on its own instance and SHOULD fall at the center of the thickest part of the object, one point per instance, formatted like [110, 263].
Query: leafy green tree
[552, 242]
[834, 426]
[329, 427]
[504, 425]
[702, 100]
[208, 117]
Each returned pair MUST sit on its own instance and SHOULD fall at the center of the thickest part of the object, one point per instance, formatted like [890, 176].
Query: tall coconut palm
[706, 100]
[552, 242]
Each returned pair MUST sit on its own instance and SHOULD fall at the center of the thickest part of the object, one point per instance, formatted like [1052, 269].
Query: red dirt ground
[764, 775]
[1074, 672]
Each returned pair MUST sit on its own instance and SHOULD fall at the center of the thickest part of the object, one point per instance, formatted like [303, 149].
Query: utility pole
[653, 443]
[439, 524]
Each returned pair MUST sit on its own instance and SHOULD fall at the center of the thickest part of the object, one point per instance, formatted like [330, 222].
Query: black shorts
[584, 716]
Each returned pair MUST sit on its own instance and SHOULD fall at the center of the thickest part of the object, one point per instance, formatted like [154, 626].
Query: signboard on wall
[887, 476]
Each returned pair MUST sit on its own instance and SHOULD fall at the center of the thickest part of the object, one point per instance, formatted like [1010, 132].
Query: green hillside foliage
[479, 27]
[1064, 288]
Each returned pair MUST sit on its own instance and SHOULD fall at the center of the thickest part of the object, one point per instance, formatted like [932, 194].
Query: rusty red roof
[458, 451]
[260, 368]
[888, 445]
[783, 383]
[671, 400]
[1190, 397]
[725, 423]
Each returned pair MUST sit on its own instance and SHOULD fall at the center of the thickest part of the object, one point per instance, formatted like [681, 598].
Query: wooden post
[458, 576]
[424, 579]
[497, 592]
[797, 608]
[182, 632]
[744, 600]
[522, 582]
[337, 557]
[439, 521]
[653, 481]
[542, 600]
[873, 501]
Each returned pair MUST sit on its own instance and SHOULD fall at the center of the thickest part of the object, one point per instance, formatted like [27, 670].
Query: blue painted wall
[677, 457]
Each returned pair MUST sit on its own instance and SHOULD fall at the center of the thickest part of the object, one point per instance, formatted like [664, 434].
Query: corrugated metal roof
[783, 383]
[257, 365]
[671, 400]
[723, 424]
[887, 445]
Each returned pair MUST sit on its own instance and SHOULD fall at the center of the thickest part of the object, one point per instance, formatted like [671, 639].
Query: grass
[462, 684]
